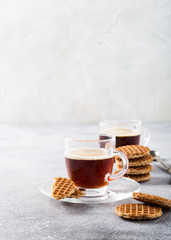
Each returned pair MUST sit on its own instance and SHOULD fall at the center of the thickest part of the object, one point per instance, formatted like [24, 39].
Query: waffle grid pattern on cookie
[138, 211]
[152, 199]
[135, 162]
[62, 188]
[137, 170]
[134, 151]
[140, 177]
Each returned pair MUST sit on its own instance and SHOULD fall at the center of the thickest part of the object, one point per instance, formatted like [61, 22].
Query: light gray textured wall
[85, 60]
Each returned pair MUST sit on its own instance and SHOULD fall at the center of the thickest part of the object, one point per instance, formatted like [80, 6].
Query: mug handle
[146, 134]
[113, 176]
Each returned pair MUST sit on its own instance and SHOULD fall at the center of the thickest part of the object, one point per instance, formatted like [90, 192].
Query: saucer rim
[111, 196]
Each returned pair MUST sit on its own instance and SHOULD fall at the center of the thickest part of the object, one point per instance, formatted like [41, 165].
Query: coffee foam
[121, 132]
[88, 154]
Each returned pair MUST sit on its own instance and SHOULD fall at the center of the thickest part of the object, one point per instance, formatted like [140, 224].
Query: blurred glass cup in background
[127, 132]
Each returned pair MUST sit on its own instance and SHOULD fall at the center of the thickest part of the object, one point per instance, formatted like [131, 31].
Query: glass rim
[120, 122]
[74, 137]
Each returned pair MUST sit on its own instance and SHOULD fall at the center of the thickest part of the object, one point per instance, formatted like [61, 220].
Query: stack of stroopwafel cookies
[139, 162]
[64, 188]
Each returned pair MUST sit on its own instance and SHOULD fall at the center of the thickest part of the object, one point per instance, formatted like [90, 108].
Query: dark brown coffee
[88, 167]
[127, 140]
[124, 136]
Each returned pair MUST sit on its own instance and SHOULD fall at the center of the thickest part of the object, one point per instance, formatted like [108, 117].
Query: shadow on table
[76, 208]
[85, 207]
[158, 181]
[163, 169]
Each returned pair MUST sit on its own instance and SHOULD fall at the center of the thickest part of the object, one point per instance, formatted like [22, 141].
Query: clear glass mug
[127, 132]
[90, 162]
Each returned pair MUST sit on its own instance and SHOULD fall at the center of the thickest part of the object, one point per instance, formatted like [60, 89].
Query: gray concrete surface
[31, 154]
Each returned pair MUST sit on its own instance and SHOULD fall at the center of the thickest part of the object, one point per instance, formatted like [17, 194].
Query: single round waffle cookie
[137, 170]
[134, 151]
[140, 177]
[147, 159]
[62, 188]
[138, 211]
[152, 199]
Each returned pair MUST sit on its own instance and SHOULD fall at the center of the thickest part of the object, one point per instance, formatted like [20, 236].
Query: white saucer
[119, 189]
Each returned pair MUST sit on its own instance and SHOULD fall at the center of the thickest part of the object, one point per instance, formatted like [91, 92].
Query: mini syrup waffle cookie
[147, 159]
[152, 199]
[140, 177]
[137, 170]
[65, 188]
[62, 188]
[134, 151]
[138, 211]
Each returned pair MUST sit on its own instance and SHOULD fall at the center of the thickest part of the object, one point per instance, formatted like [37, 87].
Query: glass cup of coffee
[90, 162]
[127, 132]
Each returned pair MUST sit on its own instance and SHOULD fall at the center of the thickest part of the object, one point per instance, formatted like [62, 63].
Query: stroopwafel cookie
[140, 177]
[134, 151]
[138, 211]
[137, 170]
[64, 188]
[147, 159]
[152, 199]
